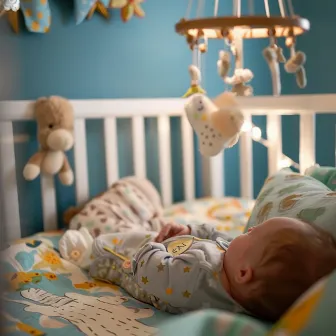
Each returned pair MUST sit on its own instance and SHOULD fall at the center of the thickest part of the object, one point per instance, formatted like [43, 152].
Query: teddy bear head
[55, 123]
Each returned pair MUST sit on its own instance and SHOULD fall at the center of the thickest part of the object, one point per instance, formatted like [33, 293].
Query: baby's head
[271, 265]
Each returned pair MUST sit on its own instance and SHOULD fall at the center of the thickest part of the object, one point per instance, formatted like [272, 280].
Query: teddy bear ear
[38, 103]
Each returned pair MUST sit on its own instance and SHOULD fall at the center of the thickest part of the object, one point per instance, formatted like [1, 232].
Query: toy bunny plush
[55, 122]
[217, 127]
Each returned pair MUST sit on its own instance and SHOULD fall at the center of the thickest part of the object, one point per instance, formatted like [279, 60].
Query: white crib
[307, 106]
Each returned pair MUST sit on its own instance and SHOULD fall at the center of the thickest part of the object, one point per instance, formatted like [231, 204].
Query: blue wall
[145, 58]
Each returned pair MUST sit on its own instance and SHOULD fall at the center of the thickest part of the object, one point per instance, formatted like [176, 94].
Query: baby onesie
[180, 275]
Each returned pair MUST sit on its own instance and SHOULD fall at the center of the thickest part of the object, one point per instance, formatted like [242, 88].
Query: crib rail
[162, 109]
[109, 111]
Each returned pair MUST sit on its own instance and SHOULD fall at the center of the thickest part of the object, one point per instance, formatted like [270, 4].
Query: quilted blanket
[46, 295]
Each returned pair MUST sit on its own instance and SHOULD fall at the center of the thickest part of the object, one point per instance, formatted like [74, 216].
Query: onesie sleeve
[207, 231]
[173, 279]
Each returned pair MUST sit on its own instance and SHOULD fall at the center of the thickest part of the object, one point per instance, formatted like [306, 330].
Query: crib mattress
[46, 295]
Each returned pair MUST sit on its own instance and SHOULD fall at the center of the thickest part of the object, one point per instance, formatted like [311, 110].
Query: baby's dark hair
[293, 260]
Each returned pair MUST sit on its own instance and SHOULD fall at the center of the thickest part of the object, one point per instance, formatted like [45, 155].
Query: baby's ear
[244, 275]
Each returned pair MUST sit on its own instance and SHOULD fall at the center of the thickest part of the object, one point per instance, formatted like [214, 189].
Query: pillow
[289, 194]
[313, 314]
[212, 322]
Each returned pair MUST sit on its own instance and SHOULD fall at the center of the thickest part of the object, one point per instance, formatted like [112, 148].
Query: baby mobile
[219, 127]
[37, 13]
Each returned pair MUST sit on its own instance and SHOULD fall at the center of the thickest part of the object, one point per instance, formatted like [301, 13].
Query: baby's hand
[172, 230]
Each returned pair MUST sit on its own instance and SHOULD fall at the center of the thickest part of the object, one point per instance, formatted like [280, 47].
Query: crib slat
[81, 163]
[139, 151]
[8, 184]
[111, 150]
[49, 203]
[307, 141]
[213, 175]
[274, 136]
[246, 163]
[188, 159]
[165, 159]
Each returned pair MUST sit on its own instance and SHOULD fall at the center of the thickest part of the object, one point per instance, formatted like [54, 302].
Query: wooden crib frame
[307, 106]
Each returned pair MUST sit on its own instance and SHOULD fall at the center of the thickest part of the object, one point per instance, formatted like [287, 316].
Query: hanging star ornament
[84, 9]
[36, 14]
[128, 8]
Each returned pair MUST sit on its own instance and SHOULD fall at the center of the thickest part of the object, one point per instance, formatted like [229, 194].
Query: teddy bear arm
[33, 167]
[66, 174]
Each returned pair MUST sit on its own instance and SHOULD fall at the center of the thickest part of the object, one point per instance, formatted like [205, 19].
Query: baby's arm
[207, 231]
[171, 279]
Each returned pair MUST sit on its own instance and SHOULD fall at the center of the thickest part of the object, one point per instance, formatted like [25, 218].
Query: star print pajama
[179, 275]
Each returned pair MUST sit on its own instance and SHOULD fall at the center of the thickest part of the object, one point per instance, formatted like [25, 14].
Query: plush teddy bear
[55, 122]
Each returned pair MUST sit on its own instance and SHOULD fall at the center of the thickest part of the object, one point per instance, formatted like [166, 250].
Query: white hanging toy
[240, 76]
[274, 55]
[195, 78]
[295, 65]
[216, 128]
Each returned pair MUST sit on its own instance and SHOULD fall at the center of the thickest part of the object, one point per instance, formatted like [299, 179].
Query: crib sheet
[46, 295]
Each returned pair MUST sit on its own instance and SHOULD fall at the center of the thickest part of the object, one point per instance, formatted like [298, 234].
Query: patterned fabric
[326, 175]
[213, 323]
[313, 314]
[46, 295]
[131, 203]
[37, 15]
[183, 271]
[288, 194]
[226, 214]
[83, 7]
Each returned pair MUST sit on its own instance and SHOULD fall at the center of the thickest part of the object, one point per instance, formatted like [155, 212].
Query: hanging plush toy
[55, 122]
[195, 77]
[240, 77]
[216, 128]
[274, 55]
[295, 66]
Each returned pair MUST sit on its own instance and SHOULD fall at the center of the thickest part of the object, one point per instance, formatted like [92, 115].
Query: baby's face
[247, 249]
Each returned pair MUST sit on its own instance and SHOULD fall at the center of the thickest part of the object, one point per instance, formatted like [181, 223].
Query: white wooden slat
[8, 186]
[246, 163]
[139, 150]
[81, 163]
[111, 150]
[165, 159]
[49, 207]
[213, 176]
[188, 159]
[274, 136]
[307, 141]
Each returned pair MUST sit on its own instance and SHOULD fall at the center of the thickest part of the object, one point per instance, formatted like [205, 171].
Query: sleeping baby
[184, 268]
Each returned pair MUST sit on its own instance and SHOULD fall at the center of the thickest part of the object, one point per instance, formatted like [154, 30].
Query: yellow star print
[142, 262]
[215, 275]
[169, 291]
[160, 267]
[144, 280]
[186, 294]
[116, 241]
[186, 269]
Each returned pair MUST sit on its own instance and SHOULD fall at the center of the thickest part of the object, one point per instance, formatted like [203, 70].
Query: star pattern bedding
[46, 295]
